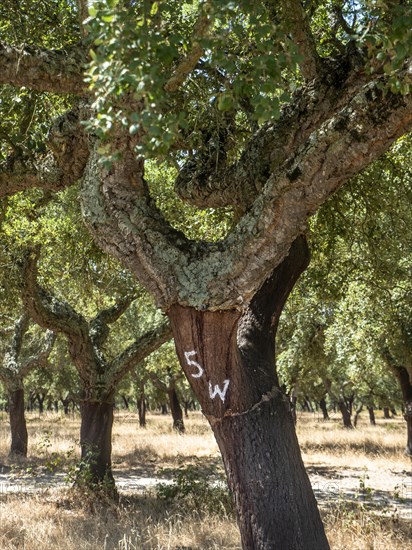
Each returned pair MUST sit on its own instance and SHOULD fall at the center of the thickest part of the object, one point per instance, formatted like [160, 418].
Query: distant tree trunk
[346, 417]
[228, 358]
[393, 411]
[357, 413]
[323, 408]
[176, 410]
[96, 445]
[56, 406]
[386, 413]
[65, 403]
[406, 387]
[141, 406]
[163, 408]
[18, 426]
[186, 405]
[40, 400]
[125, 402]
[372, 419]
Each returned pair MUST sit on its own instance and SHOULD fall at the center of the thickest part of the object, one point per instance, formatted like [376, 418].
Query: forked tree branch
[58, 71]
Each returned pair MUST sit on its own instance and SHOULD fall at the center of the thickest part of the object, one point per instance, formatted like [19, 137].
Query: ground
[361, 478]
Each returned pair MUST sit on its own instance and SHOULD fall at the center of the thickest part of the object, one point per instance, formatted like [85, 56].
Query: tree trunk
[141, 407]
[18, 426]
[125, 402]
[176, 410]
[324, 409]
[345, 414]
[406, 386]
[372, 419]
[40, 401]
[163, 408]
[65, 403]
[408, 418]
[357, 413]
[228, 358]
[96, 445]
[386, 413]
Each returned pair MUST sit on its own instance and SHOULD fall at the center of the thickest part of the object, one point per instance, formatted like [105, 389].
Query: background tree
[21, 354]
[99, 375]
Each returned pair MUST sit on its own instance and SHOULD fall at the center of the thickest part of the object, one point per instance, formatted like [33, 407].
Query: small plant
[193, 487]
[53, 461]
[364, 490]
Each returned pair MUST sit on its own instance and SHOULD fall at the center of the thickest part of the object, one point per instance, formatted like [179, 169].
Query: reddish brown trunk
[18, 426]
[228, 358]
[96, 444]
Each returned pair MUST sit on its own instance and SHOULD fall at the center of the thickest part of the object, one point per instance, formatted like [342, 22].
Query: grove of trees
[201, 140]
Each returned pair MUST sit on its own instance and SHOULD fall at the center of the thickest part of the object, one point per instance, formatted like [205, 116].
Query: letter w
[217, 391]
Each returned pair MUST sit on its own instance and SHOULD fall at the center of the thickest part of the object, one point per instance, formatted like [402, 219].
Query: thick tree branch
[323, 152]
[58, 71]
[46, 309]
[41, 357]
[60, 167]
[99, 330]
[83, 14]
[138, 351]
[296, 22]
[206, 183]
[189, 62]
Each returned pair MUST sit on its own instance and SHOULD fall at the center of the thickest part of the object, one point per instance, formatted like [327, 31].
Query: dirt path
[387, 492]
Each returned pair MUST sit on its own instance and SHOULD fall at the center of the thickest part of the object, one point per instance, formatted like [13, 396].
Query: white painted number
[213, 392]
[217, 391]
[188, 355]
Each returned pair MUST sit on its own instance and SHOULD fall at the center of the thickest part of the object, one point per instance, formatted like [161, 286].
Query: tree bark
[176, 410]
[324, 409]
[346, 416]
[96, 445]
[372, 419]
[386, 413]
[19, 437]
[228, 358]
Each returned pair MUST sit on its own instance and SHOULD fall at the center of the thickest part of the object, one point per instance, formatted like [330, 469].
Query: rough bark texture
[228, 358]
[19, 437]
[96, 444]
[325, 145]
[44, 70]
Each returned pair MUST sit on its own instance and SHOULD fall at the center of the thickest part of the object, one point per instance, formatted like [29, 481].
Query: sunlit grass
[61, 519]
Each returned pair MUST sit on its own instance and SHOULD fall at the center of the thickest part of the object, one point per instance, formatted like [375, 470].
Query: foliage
[194, 488]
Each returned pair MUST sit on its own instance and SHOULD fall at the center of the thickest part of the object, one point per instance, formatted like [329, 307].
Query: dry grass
[60, 519]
